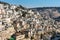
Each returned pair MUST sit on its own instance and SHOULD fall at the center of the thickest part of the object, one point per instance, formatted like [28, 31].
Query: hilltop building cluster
[24, 24]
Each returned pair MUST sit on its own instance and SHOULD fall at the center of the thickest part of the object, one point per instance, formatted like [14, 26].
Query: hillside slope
[20, 23]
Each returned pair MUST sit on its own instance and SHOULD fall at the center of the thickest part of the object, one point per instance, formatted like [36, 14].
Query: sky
[34, 3]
